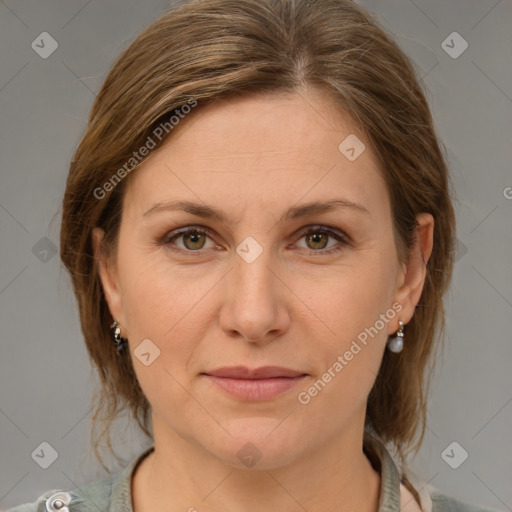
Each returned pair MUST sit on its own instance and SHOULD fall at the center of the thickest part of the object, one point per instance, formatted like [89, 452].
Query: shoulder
[444, 503]
[91, 497]
[111, 493]
[35, 506]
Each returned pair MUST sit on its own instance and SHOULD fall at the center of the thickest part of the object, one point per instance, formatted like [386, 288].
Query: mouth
[259, 384]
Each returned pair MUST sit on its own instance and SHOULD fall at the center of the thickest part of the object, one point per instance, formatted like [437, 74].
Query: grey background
[45, 376]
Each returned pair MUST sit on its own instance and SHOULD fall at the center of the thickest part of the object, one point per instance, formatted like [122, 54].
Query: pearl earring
[396, 343]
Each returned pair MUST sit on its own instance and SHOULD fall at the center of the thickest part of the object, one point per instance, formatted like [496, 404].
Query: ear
[108, 276]
[412, 276]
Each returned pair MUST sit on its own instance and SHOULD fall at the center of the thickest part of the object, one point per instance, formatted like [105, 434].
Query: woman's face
[256, 289]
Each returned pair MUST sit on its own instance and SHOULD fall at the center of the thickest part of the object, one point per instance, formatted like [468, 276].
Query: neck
[335, 476]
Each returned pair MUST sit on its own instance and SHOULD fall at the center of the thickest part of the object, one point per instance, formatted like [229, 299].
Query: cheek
[356, 306]
[148, 295]
[356, 295]
[160, 296]
[158, 302]
[165, 303]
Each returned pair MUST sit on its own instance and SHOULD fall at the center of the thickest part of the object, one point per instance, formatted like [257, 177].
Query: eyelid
[325, 228]
[177, 233]
[339, 235]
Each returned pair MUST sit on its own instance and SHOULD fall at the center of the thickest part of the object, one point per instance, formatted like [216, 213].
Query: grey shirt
[113, 494]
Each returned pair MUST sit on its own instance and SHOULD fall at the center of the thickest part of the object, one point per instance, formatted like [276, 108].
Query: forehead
[261, 150]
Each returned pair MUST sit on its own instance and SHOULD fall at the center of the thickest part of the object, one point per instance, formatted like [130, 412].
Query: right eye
[193, 239]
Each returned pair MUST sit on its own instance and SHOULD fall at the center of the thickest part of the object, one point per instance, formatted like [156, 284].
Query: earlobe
[415, 272]
[107, 274]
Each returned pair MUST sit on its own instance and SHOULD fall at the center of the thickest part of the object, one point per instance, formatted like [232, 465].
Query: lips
[264, 372]
[264, 383]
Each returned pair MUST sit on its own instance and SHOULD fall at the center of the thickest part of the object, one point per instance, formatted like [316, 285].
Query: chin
[258, 443]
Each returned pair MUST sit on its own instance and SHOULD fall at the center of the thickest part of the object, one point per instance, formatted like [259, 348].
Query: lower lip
[256, 389]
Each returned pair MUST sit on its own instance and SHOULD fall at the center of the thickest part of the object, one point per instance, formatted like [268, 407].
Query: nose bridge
[252, 274]
[253, 304]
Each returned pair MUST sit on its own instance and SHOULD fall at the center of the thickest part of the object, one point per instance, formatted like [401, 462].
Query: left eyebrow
[316, 208]
[295, 212]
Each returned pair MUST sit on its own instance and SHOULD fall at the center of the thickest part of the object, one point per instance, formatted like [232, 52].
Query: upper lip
[264, 372]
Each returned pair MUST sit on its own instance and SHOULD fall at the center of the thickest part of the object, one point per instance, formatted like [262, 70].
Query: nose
[255, 304]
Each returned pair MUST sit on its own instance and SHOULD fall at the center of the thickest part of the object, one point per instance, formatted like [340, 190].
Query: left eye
[316, 239]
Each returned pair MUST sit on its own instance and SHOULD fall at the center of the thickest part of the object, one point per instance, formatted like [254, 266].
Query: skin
[294, 306]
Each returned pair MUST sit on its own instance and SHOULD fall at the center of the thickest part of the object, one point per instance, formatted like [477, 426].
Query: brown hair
[224, 48]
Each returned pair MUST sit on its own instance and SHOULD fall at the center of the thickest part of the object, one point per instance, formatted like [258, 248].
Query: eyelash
[342, 238]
